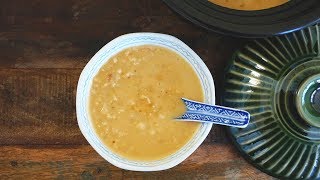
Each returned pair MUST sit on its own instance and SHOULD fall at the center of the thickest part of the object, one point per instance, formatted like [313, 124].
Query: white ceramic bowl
[100, 58]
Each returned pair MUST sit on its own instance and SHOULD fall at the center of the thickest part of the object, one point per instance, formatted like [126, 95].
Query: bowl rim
[80, 103]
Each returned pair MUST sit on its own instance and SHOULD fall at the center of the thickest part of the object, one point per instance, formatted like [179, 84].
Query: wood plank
[209, 161]
[67, 35]
[38, 106]
[41, 50]
[71, 8]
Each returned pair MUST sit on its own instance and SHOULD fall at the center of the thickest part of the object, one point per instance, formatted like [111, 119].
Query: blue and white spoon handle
[197, 111]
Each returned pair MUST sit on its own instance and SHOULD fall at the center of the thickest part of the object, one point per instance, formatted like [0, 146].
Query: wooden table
[43, 47]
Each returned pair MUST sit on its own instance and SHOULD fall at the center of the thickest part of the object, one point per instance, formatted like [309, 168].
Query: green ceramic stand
[277, 80]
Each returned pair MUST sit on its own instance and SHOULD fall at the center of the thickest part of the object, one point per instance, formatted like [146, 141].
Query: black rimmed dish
[291, 16]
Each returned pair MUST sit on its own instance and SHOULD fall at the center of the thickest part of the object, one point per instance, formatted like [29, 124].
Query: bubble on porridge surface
[141, 125]
[161, 116]
[131, 102]
[114, 97]
[152, 132]
[128, 52]
[104, 109]
[129, 74]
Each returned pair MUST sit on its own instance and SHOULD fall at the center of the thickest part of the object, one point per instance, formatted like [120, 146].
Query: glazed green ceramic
[277, 80]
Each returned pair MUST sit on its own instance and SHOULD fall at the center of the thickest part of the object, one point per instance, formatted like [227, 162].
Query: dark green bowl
[277, 80]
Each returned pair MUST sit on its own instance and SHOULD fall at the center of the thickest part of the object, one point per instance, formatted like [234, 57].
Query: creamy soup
[249, 4]
[135, 97]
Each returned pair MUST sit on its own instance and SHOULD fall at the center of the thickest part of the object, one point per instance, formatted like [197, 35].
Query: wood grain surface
[43, 47]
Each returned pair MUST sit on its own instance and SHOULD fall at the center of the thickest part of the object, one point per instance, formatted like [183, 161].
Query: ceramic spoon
[201, 112]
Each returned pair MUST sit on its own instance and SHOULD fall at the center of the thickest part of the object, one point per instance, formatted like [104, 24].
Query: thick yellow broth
[249, 4]
[136, 96]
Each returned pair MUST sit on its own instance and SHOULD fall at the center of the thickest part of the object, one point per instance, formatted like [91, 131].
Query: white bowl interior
[93, 67]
